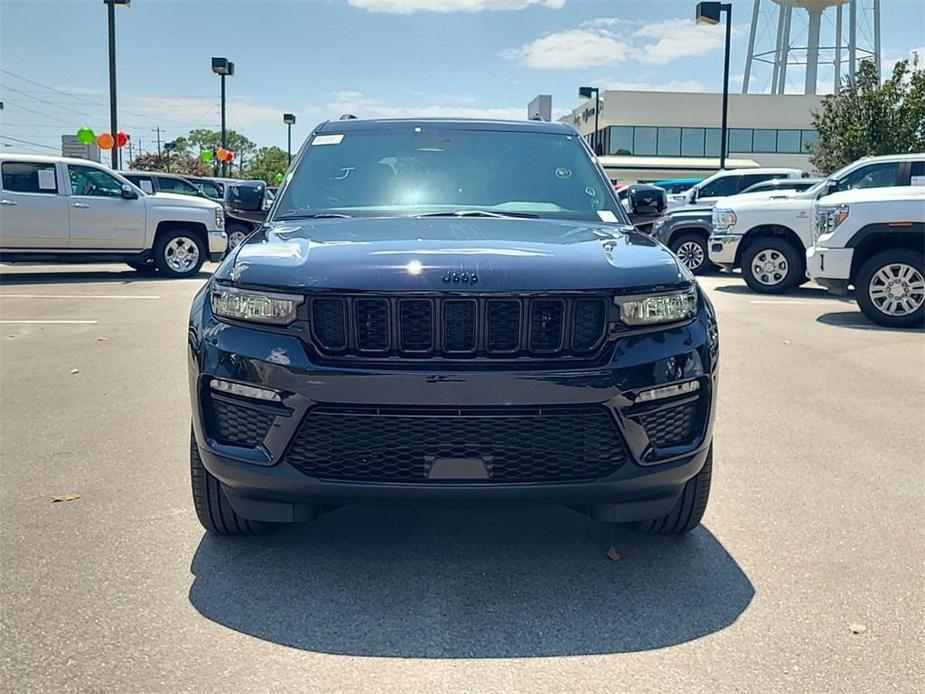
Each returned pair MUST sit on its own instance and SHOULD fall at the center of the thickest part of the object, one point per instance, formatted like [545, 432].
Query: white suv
[56, 209]
[768, 237]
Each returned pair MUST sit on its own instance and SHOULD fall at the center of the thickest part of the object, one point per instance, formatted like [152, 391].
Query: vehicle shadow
[804, 292]
[127, 276]
[454, 583]
[858, 321]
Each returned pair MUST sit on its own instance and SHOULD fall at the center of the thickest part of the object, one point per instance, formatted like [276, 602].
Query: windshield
[425, 171]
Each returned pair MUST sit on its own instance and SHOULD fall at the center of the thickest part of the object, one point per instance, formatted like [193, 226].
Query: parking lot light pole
[709, 13]
[223, 68]
[113, 121]
[586, 93]
[289, 120]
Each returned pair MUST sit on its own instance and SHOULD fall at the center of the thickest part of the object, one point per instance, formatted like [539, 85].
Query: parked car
[685, 231]
[504, 336]
[730, 182]
[676, 186]
[873, 239]
[781, 185]
[643, 203]
[61, 210]
[768, 236]
[246, 205]
[212, 188]
[153, 182]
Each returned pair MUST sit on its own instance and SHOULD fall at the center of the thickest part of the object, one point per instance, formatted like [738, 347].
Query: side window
[175, 185]
[870, 176]
[749, 179]
[143, 182]
[87, 180]
[727, 185]
[917, 173]
[29, 177]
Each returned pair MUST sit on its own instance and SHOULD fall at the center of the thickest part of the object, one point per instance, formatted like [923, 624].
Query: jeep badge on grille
[464, 277]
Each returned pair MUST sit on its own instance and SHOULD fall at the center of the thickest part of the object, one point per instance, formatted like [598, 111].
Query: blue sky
[321, 58]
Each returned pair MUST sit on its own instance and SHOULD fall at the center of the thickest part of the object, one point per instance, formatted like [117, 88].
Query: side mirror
[128, 193]
[692, 196]
[647, 201]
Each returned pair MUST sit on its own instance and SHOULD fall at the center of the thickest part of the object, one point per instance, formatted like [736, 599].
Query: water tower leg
[838, 39]
[852, 38]
[751, 48]
[877, 39]
[785, 50]
[812, 51]
[777, 47]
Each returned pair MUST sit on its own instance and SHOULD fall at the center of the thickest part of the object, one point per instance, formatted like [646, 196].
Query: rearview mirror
[128, 193]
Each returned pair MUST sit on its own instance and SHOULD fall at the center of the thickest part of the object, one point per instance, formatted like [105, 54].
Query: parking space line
[79, 296]
[780, 301]
[52, 322]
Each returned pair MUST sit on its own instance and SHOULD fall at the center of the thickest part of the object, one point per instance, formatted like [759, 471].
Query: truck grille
[399, 444]
[458, 327]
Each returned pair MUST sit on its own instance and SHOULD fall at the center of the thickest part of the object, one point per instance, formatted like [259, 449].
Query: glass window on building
[645, 142]
[764, 140]
[740, 140]
[712, 141]
[692, 142]
[621, 140]
[810, 137]
[788, 141]
[669, 142]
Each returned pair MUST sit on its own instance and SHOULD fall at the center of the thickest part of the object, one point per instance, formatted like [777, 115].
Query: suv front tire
[890, 288]
[772, 266]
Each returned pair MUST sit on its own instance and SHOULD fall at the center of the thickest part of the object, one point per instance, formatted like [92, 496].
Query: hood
[760, 196]
[421, 254]
[691, 211]
[177, 200]
[897, 193]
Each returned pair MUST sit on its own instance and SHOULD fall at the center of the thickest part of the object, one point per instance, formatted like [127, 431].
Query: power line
[27, 142]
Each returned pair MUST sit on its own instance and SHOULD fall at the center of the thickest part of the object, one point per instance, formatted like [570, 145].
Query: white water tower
[821, 41]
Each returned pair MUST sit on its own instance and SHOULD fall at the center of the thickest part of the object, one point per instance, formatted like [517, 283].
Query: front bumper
[218, 244]
[723, 249]
[830, 267]
[263, 483]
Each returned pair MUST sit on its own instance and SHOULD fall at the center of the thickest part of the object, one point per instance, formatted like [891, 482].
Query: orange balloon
[221, 153]
[105, 141]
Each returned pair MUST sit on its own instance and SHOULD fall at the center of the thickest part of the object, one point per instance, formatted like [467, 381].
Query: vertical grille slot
[588, 324]
[503, 330]
[372, 325]
[416, 325]
[547, 318]
[459, 331]
[329, 319]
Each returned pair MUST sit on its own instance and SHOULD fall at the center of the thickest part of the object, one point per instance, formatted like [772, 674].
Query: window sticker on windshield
[563, 172]
[47, 179]
[328, 139]
[607, 216]
[146, 186]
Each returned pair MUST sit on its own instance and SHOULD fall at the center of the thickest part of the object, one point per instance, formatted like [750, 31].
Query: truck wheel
[179, 253]
[688, 511]
[890, 288]
[691, 250]
[212, 506]
[772, 266]
[236, 234]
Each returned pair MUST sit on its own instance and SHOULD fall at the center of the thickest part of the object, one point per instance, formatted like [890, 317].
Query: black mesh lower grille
[239, 425]
[516, 445]
[672, 426]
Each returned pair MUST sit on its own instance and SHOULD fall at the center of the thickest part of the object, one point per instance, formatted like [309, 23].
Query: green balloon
[86, 136]
[279, 178]
[205, 155]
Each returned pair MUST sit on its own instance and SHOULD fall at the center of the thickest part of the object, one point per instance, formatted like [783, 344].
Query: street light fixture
[224, 68]
[587, 93]
[289, 120]
[709, 13]
[113, 124]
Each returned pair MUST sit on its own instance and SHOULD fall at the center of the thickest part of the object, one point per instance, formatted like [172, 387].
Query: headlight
[259, 307]
[219, 218]
[827, 219]
[659, 222]
[723, 219]
[658, 308]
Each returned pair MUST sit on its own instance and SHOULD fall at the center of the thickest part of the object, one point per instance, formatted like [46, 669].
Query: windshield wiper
[479, 213]
[313, 215]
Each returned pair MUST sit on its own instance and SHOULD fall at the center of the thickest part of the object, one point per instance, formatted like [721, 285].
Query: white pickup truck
[56, 209]
[768, 237]
[873, 239]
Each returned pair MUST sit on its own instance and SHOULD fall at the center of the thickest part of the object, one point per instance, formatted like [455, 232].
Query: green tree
[866, 118]
[243, 148]
[266, 163]
[179, 163]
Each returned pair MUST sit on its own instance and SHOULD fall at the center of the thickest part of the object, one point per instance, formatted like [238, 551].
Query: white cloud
[890, 61]
[412, 6]
[573, 48]
[678, 38]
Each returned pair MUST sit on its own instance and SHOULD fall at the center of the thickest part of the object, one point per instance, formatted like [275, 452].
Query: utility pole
[113, 126]
[158, 131]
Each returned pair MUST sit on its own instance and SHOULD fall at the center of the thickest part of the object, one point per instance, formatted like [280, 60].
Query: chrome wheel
[181, 254]
[897, 289]
[691, 254]
[235, 238]
[770, 267]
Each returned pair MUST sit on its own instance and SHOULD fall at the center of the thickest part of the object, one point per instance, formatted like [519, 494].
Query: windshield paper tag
[328, 139]
[607, 216]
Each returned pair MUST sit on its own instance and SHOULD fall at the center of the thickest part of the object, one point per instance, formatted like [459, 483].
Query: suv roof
[357, 124]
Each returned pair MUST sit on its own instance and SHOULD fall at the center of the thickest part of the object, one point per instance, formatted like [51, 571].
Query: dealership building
[651, 135]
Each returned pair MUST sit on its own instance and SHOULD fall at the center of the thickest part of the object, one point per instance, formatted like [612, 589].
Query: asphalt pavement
[807, 574]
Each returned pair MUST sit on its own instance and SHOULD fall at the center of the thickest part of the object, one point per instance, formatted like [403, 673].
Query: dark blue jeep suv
[450, 311]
